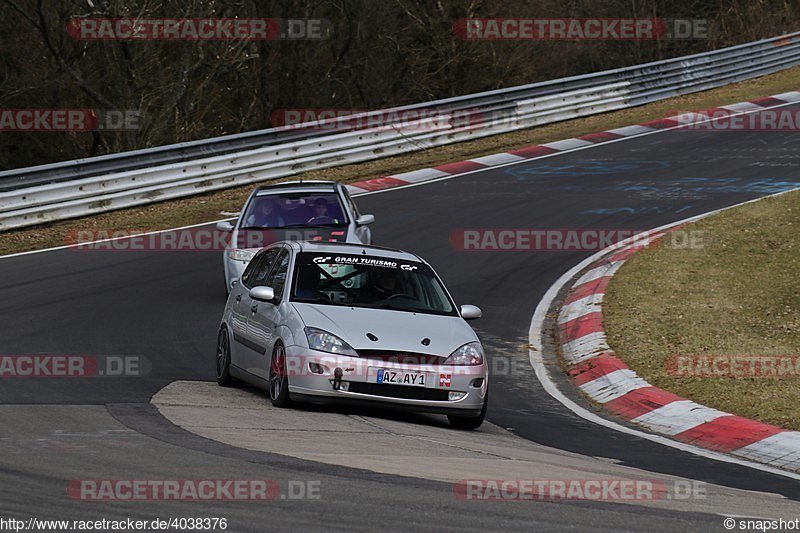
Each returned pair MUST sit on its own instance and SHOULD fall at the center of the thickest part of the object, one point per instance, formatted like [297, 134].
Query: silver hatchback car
[336, 322]
[294, 210]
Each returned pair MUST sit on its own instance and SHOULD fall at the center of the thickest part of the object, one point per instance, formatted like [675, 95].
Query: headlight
[241, 255]
[319, 339]
[470, 354]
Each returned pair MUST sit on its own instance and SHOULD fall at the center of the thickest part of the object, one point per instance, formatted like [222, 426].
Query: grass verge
[206, 207]
[737, 294]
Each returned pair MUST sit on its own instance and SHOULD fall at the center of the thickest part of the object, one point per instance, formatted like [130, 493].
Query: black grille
[407, 358]
[399, 391]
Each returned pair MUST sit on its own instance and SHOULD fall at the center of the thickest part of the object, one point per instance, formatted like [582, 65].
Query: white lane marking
[585, 347]
[568, 144]
[497, 159]
[781, 449]
[635, 129]
[600, 272]
[677, 417]
[613, 385]
[536, 332]
[580, 307]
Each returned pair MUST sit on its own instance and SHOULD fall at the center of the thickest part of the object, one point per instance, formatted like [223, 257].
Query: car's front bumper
[448, 389]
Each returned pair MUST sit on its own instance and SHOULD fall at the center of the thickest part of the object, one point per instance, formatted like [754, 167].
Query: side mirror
[470, 312]
[365, 220]
[224, 226]
[262, 294]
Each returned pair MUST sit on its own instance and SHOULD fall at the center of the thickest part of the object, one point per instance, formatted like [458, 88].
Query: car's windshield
[369, 281]
[296, 209]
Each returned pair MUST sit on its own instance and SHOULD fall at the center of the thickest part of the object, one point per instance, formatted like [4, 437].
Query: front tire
[224, 378]
[470, 422]
[278, 377]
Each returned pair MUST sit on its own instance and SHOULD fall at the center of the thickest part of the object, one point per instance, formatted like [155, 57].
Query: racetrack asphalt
[165, 307]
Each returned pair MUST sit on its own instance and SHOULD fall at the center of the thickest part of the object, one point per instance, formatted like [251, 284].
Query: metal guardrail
[41, 194]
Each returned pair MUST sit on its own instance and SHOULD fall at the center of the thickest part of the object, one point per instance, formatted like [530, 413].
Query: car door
[246, 344]
[240, 312]
[265, 320]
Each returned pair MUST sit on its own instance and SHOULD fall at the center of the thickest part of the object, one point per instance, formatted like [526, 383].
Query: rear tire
[469, 422]
[278, 377]
[224, 378]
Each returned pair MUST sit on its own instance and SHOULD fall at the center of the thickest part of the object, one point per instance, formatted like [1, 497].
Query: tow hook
[337, 379]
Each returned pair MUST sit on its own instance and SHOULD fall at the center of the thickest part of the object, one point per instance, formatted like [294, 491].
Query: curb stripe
[530, 152]
[728, 433]
[767, 101]
[597, 286]
[497, 159]
[677, 417]
[613, 385]
[600, 137]
[608, 381]
[594, 368]
[602, 271]
[533, 151]
[459, 166]
[582, 326]
[377, 184]
[579, 308]
[781, 450]
[641, 401]
[627, 131]
[567, 144]
[585, 347]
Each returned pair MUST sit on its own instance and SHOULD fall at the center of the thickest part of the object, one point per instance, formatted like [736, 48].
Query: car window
[251, 267]
[294, 209]
[352, 204]
[371, 282]
[277, 278]
[259, 273]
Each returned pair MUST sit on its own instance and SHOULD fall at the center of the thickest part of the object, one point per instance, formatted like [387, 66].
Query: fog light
[453, 396]
[344, 386]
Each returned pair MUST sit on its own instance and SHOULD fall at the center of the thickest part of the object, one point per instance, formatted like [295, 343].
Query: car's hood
[396, 330]
[254, 239]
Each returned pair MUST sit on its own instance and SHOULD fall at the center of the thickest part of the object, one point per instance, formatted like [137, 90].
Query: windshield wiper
[319, 301]
[409, 309]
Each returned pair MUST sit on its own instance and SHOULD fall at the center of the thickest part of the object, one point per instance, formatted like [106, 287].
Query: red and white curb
[548, 149]
[607, 380]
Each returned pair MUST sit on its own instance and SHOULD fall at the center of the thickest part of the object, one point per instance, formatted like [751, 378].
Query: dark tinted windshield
[294, 210]
[369, 281]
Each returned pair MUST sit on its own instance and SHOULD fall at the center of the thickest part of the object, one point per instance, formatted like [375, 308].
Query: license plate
[400, 377]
